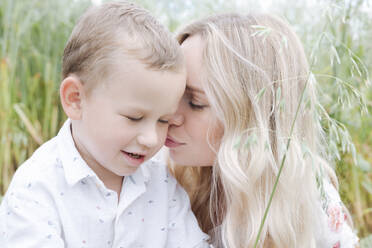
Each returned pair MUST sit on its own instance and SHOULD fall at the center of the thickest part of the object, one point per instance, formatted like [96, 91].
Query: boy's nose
[176, 119]
[149, 138]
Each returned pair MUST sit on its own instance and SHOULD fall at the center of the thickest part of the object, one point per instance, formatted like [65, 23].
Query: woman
[247, 76]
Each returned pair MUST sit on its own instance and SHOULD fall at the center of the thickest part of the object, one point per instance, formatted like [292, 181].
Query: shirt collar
[75, 168]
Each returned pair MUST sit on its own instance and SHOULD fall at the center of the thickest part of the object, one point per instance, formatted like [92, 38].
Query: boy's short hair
[112, 30]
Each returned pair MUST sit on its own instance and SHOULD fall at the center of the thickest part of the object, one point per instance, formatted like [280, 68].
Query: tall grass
[343, 71]
[336, 34]
[32, 37]
[337, 38]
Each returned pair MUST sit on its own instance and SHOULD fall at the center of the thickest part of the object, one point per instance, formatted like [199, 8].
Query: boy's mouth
[134, 159]
[134, 155]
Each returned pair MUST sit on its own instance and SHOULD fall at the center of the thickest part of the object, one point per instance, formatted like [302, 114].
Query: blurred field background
[336, 34]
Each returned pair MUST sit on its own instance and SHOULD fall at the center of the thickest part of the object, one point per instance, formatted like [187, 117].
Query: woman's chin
[182, 158]
[183, 162]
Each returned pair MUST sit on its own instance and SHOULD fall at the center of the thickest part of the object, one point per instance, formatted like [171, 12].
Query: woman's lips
[171, 143]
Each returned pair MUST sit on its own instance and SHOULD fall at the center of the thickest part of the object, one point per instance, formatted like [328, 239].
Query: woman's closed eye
[194, 102]
[196, 106]
[163, 121]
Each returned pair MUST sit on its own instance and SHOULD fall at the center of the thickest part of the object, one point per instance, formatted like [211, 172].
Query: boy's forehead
[115, 68]
[125, 74]
[129, 66]
[128, 74]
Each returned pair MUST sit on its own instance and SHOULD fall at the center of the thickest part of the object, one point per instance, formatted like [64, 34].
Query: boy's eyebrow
[137, 108]
[146, 110]
[189, 88]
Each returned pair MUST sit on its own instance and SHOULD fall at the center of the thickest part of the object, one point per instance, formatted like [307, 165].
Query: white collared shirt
[56, 200]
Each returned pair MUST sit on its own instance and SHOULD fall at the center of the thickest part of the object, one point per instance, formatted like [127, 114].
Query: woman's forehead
[192, 48]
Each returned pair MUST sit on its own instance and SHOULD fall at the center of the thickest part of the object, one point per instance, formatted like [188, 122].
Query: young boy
[89, 186]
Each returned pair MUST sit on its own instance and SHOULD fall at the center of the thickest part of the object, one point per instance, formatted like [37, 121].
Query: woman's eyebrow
[189, 88]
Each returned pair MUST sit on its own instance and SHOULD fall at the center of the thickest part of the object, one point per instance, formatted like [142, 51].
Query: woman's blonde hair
[255, 72]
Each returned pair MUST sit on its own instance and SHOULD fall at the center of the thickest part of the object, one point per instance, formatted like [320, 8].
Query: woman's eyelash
[163, 121]
[196, 106]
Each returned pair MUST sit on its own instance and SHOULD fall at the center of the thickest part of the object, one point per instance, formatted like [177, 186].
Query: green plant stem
[287, 147]
[282, 162]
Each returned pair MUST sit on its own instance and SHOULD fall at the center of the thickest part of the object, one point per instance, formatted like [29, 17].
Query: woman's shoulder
[335, 222]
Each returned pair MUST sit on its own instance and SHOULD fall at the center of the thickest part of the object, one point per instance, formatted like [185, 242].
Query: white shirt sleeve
[27, 220]
[183, 228]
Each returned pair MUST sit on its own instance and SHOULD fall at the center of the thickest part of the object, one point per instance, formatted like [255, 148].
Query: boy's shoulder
[41, 167]
[48, 165]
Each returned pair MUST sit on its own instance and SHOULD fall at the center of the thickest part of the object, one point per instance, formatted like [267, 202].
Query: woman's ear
[72, 92]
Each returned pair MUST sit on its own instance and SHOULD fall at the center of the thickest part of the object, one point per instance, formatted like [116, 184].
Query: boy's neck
[109, 179]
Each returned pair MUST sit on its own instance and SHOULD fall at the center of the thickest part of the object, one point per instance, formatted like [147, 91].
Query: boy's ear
[72, 92]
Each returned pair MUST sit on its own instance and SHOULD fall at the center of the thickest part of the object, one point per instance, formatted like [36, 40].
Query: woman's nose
[176, 119]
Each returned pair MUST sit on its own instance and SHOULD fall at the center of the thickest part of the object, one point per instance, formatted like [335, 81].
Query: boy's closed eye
[133, 118]
[137, 119]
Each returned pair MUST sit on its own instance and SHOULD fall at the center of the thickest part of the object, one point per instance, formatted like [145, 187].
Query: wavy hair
[255, 71]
